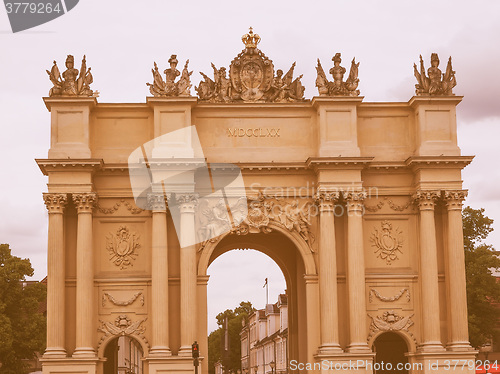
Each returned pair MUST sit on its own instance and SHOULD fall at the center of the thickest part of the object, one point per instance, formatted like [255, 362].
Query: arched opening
[290, 259]
[390, 354]
[123, 356]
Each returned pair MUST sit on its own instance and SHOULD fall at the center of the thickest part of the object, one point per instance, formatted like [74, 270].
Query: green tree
[483, 290]
[22, 327]
[215, 339]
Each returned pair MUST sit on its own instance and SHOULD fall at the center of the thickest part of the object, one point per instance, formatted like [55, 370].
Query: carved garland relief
[388, 299]
[122, 247]
[107, 296]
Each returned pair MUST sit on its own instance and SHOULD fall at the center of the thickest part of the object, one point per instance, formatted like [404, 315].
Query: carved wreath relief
[122, 247]
[388, 242]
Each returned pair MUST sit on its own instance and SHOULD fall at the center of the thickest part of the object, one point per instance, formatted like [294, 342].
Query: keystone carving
[123, 325]
[390, 321]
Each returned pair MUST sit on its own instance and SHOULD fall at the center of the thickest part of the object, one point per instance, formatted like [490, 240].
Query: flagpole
[266, 284]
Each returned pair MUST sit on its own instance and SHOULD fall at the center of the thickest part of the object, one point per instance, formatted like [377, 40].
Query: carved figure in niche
[338, 87]
[251, 79]
[170, 87]
[436, 83]
[74, 82]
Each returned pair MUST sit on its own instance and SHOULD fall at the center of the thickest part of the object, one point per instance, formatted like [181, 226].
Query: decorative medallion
[251, 79]
[390, 321]
[122, 247]
[388, 242]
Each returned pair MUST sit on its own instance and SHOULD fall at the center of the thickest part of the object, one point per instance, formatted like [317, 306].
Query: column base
[185, 351]
[359, 348]
[443, 362]
[159, 351]
[329, 349]
[84, 352]
[459, 347]
[55, 353]
[431, 347]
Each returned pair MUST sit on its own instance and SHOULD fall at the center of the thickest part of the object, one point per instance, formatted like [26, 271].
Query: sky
[121, 39]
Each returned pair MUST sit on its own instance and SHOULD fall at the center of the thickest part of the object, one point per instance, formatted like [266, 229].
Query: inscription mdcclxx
[257, 132]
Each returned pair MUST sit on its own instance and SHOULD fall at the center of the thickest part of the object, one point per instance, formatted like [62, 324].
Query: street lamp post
[272, 364]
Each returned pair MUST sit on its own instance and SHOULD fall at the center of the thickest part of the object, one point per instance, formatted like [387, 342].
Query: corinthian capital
[85, 202]
[187, 202]
[354, 200]
[326, 200]
[454, 199]
[55, 202]
[426, 200]
[157, 202]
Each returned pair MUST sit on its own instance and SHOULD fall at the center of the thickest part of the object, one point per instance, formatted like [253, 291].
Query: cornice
[336, 100]
[56, 165]
[434, 100]
[335, 163]
[171, 101]
[69, 101]
[438, 162]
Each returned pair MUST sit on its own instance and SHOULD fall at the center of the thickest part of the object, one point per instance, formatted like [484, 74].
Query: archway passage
[294, 263]
[390, 349]
[123, 356]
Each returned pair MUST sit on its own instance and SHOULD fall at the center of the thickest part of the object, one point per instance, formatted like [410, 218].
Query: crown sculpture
[170, 87]
[251, 79]
[338, 87]
[436, 83]
[74, 82]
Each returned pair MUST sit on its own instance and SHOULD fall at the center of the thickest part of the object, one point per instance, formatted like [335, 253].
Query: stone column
[356, 272]
[329, 316]
[431, 340]
[187, 204]
[84, 276]
[159, 276]
[455, 272]
[55, 204]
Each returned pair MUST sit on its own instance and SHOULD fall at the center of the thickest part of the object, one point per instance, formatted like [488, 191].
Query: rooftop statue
[74, 82]
[338, 87]
[170, 87]
[436, 83]
[251, 79]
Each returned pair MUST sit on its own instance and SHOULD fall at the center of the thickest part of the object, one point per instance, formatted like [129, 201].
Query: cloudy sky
[122, 39]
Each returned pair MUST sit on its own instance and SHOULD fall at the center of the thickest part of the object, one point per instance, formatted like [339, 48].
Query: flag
[265, 283]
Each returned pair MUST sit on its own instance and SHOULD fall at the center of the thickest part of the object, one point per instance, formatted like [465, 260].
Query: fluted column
[431, 338]
[187, 204]
[455, 272]
[356, 272]
[84, 276]
[159, 276]
[55, 204]
[329, 316]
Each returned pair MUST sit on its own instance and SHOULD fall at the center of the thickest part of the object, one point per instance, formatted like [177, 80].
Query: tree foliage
[215, 339]
[483, 290]
[22, 327]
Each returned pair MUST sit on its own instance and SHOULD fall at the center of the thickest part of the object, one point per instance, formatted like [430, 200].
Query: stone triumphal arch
[359, 204]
